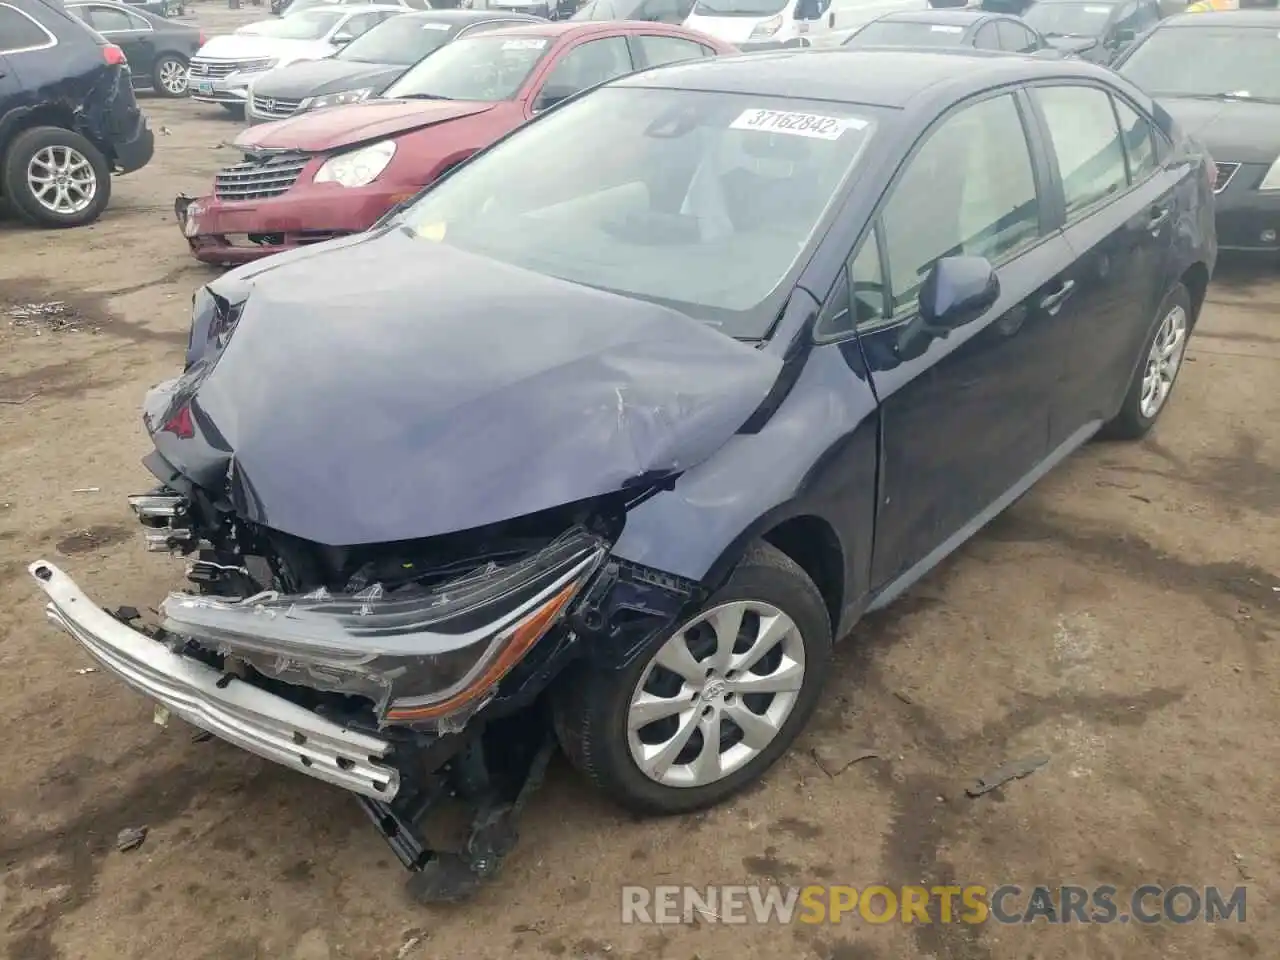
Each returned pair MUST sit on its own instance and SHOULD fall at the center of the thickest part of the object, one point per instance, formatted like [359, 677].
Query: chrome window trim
[53, 41]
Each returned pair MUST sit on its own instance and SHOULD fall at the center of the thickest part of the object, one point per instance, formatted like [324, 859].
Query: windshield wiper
[422, 96]
[1227, 97]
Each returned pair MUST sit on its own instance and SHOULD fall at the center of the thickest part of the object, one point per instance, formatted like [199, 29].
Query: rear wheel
[704, 711]
[170, 76]
[55, 178]
[1153, 381]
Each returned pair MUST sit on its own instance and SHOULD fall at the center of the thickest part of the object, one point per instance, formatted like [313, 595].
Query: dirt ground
[1122, 618]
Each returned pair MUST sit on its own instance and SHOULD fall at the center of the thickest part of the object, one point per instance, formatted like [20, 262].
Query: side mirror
[957, 291]
[342, 39]
[548, 98]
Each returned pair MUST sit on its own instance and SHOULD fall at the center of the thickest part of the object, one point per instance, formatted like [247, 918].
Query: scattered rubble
[835, 759]
[130, 838]
[56, 315]
[1013, 770]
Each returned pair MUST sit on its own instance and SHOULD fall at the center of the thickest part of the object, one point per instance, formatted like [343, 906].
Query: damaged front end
[400, 528]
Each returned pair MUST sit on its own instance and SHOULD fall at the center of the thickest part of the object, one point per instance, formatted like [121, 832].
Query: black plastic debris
[130, 838]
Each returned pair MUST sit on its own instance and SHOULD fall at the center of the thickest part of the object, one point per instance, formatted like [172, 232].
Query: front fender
[816, 456]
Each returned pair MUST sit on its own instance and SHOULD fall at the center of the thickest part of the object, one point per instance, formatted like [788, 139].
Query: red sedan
[333, 172]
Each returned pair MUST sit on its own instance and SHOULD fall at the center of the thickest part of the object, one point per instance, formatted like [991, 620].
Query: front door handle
[1158, 216]
[1053, 301]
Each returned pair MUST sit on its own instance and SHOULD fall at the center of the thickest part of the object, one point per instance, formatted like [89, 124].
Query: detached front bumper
[221, 703]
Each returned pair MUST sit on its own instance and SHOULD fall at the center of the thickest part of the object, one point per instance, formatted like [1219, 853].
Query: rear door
[653, 50]
[128, 31]
[1118, 215]
[987, 38]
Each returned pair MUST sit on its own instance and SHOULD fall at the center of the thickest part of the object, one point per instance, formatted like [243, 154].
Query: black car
[158, 49]
[1219, 75]
[607, 436]
[1097, 30]
[369, 64]
[68, 116]
[547, 9]
[948, 28]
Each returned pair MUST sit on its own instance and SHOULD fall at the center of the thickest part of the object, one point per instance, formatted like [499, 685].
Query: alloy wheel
[173, 77]
[1163, 361]
[716, 694]
[62, 180]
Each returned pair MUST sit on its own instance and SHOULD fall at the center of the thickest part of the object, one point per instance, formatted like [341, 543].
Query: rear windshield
[487, 67]
[701, 201]
[399, 40]
[1069, 19]
[1243, 62]
[897, 33]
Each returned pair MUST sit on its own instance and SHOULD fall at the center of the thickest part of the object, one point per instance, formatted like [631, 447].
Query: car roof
[467, 16]
[885, 77]
[961, 17]
[1269, 19]
[559, 28]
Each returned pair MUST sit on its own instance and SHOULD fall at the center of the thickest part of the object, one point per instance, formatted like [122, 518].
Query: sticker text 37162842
[811, 125]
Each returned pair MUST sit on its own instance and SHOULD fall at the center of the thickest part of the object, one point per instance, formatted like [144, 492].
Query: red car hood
[343, 126]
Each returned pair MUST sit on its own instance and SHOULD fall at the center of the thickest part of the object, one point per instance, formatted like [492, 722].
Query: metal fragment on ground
[1013, 770]
[130, 838]
[836, 759]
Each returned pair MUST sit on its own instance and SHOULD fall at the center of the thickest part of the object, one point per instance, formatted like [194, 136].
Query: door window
[1138, 146]
[360, 24]
[109, 19]
[1086, 141]
[585, 66]
[19, 32]
[655, 51]
[969, 190]
[987, 38]
[1017, 38]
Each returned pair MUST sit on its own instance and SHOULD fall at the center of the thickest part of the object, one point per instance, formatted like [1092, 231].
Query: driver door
[965, 415]
[581, 66]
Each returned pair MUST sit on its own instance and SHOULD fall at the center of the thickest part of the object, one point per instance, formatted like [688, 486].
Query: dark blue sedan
[610, 433]
[968, 27]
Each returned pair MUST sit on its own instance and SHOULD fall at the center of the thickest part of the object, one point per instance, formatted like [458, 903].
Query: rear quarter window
[20, 33]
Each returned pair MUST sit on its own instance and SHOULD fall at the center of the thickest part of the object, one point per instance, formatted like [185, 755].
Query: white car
[225, 68]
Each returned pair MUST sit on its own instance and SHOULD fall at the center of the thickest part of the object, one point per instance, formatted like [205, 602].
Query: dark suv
[68, 117]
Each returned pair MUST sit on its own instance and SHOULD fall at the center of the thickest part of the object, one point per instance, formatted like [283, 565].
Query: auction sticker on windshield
[797, 124]
[943, 28]
[534, 44]
[436, 26]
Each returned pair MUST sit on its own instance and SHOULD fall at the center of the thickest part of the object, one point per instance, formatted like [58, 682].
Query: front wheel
[1153, 381]
[55, 178]
[170, 77]
[704, 711]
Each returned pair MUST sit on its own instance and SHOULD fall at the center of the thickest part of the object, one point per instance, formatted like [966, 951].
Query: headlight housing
[1272, 180]
[261, 66]
[422, 655]
[335, 99]
[357, 168]
[767, 28]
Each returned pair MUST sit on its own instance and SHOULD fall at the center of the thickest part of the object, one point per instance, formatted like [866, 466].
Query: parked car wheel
[704, 711]
[1153, 381]
[170, 76]
[55, 178]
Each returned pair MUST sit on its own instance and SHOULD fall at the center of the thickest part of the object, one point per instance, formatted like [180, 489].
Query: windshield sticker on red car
[1097, 9]
[534, 44]
[436, 26]
[943, 28]
[811, 125]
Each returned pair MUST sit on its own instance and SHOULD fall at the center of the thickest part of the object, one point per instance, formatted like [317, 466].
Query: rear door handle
[1053, 301]
[1158, 216]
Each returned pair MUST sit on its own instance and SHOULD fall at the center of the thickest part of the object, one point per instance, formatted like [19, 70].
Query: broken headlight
[419, 654]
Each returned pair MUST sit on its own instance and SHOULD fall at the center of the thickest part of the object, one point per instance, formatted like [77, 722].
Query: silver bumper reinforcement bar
[224, 705]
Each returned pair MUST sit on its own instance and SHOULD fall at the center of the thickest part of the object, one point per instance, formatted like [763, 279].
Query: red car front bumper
[238, 231]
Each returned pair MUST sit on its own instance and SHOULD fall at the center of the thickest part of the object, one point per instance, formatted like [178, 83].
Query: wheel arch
[26, 118]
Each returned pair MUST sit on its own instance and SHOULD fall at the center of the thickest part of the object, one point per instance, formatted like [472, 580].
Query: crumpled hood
[314, 78]
[393, 388]
[317, 131]
[1234, 131]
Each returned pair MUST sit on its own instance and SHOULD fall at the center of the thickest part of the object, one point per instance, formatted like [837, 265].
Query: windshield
[400, 40]
[701, 201]
[1069, 19]
[889, 33]
[1206, 61]
[488, 67]
[740, 8]
[308, 25]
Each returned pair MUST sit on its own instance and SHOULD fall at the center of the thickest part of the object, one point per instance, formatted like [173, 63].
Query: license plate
[204, 86]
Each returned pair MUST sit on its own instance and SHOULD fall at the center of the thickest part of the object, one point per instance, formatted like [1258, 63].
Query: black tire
[24, 202]
[158, 85]
[1130, 423]
[591, 703]
[235, 109]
